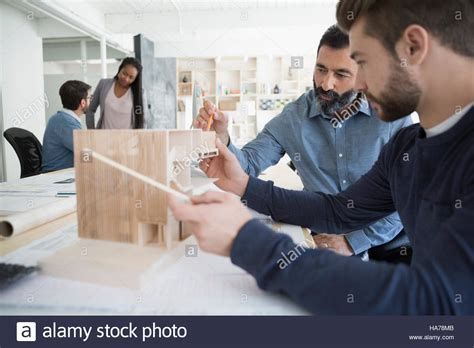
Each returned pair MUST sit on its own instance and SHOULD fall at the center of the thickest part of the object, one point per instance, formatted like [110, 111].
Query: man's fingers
[209, 108]
[183, 211]
[210, 197]
[200, 122]
[204, 166]
[208, 105]
[204, 114]
[219, 115]
[322, 241]
[204, 163]
[322, 238]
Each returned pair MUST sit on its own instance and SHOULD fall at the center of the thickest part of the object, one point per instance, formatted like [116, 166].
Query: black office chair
[398, 250]
[292, 166]
[27, 148]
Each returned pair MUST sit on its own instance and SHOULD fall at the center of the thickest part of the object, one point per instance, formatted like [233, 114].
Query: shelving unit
[243, 87]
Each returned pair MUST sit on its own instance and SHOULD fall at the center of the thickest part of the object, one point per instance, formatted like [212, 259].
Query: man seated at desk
[58, 150]
[332, 136]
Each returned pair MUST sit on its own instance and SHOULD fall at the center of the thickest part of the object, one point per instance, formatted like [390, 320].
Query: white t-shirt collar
[448, 123]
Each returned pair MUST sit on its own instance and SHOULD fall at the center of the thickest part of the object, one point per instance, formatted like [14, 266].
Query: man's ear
[413, 44]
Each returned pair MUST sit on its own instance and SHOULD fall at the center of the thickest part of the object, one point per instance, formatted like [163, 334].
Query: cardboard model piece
[115, 206]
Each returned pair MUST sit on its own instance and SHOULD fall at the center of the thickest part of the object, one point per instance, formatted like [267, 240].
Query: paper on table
[207, 284]
[30, 254]
[293, 231]
[31, 202]
[42, 294]
[24, 221]
[43, 185]
[17, 204]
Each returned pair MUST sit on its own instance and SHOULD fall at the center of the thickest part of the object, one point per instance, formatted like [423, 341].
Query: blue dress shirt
[329, 156]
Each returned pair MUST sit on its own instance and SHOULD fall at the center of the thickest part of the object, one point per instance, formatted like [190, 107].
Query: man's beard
[338, 102]
[400, 97]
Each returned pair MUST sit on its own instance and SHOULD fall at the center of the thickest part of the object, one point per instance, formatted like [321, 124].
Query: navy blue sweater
[429, 181]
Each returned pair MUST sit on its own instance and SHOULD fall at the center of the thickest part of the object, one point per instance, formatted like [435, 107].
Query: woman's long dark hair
[138, 112]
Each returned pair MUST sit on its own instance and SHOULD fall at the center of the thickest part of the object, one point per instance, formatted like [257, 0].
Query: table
[173, 285]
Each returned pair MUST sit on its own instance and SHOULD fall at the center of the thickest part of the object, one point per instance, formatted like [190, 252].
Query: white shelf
[253, 75]
[278, 96]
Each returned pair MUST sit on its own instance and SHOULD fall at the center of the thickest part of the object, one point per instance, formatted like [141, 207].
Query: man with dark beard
[331, 135]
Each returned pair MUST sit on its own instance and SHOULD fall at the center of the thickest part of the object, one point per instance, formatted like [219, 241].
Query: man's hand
[220, 122]
[227, 169]
[216, 218]
[335, 242]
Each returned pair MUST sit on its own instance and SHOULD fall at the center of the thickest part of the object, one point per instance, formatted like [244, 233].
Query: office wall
[52, 83]
[55, 74]
[23, 96]
[159, 84]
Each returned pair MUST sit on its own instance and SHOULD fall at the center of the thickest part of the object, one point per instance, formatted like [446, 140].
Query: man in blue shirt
[332, 136]
[410, 57]
[58, 149]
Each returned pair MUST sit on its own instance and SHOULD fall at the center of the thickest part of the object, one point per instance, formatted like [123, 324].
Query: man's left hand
[335, 242]
[215, 219]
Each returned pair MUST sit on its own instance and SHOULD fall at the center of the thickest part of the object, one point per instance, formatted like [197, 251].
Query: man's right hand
[220, 122]
[227, 169]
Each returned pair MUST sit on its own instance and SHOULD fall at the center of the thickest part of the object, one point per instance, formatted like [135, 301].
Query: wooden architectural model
[114, 206]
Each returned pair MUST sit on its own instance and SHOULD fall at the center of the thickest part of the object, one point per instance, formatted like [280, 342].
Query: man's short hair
[450, 21]
[334, 38]
[72, 92]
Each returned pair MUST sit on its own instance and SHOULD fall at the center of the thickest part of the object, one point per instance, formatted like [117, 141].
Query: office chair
[27, 148]
[292, 166]
[398, 250]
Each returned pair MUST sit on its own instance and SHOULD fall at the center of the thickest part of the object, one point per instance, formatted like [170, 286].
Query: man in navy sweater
[58, 149]
[411, 56]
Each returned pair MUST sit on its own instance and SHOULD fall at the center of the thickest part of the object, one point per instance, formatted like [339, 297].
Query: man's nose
[360, 84]
[328, 83]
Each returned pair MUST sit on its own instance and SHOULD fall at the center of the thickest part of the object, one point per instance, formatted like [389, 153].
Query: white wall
[55, 74]
[23, 97]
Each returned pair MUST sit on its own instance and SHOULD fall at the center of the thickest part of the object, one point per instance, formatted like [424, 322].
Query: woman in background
[120, 99]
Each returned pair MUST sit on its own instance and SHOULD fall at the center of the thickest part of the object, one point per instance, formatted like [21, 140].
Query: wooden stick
[137, 175]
